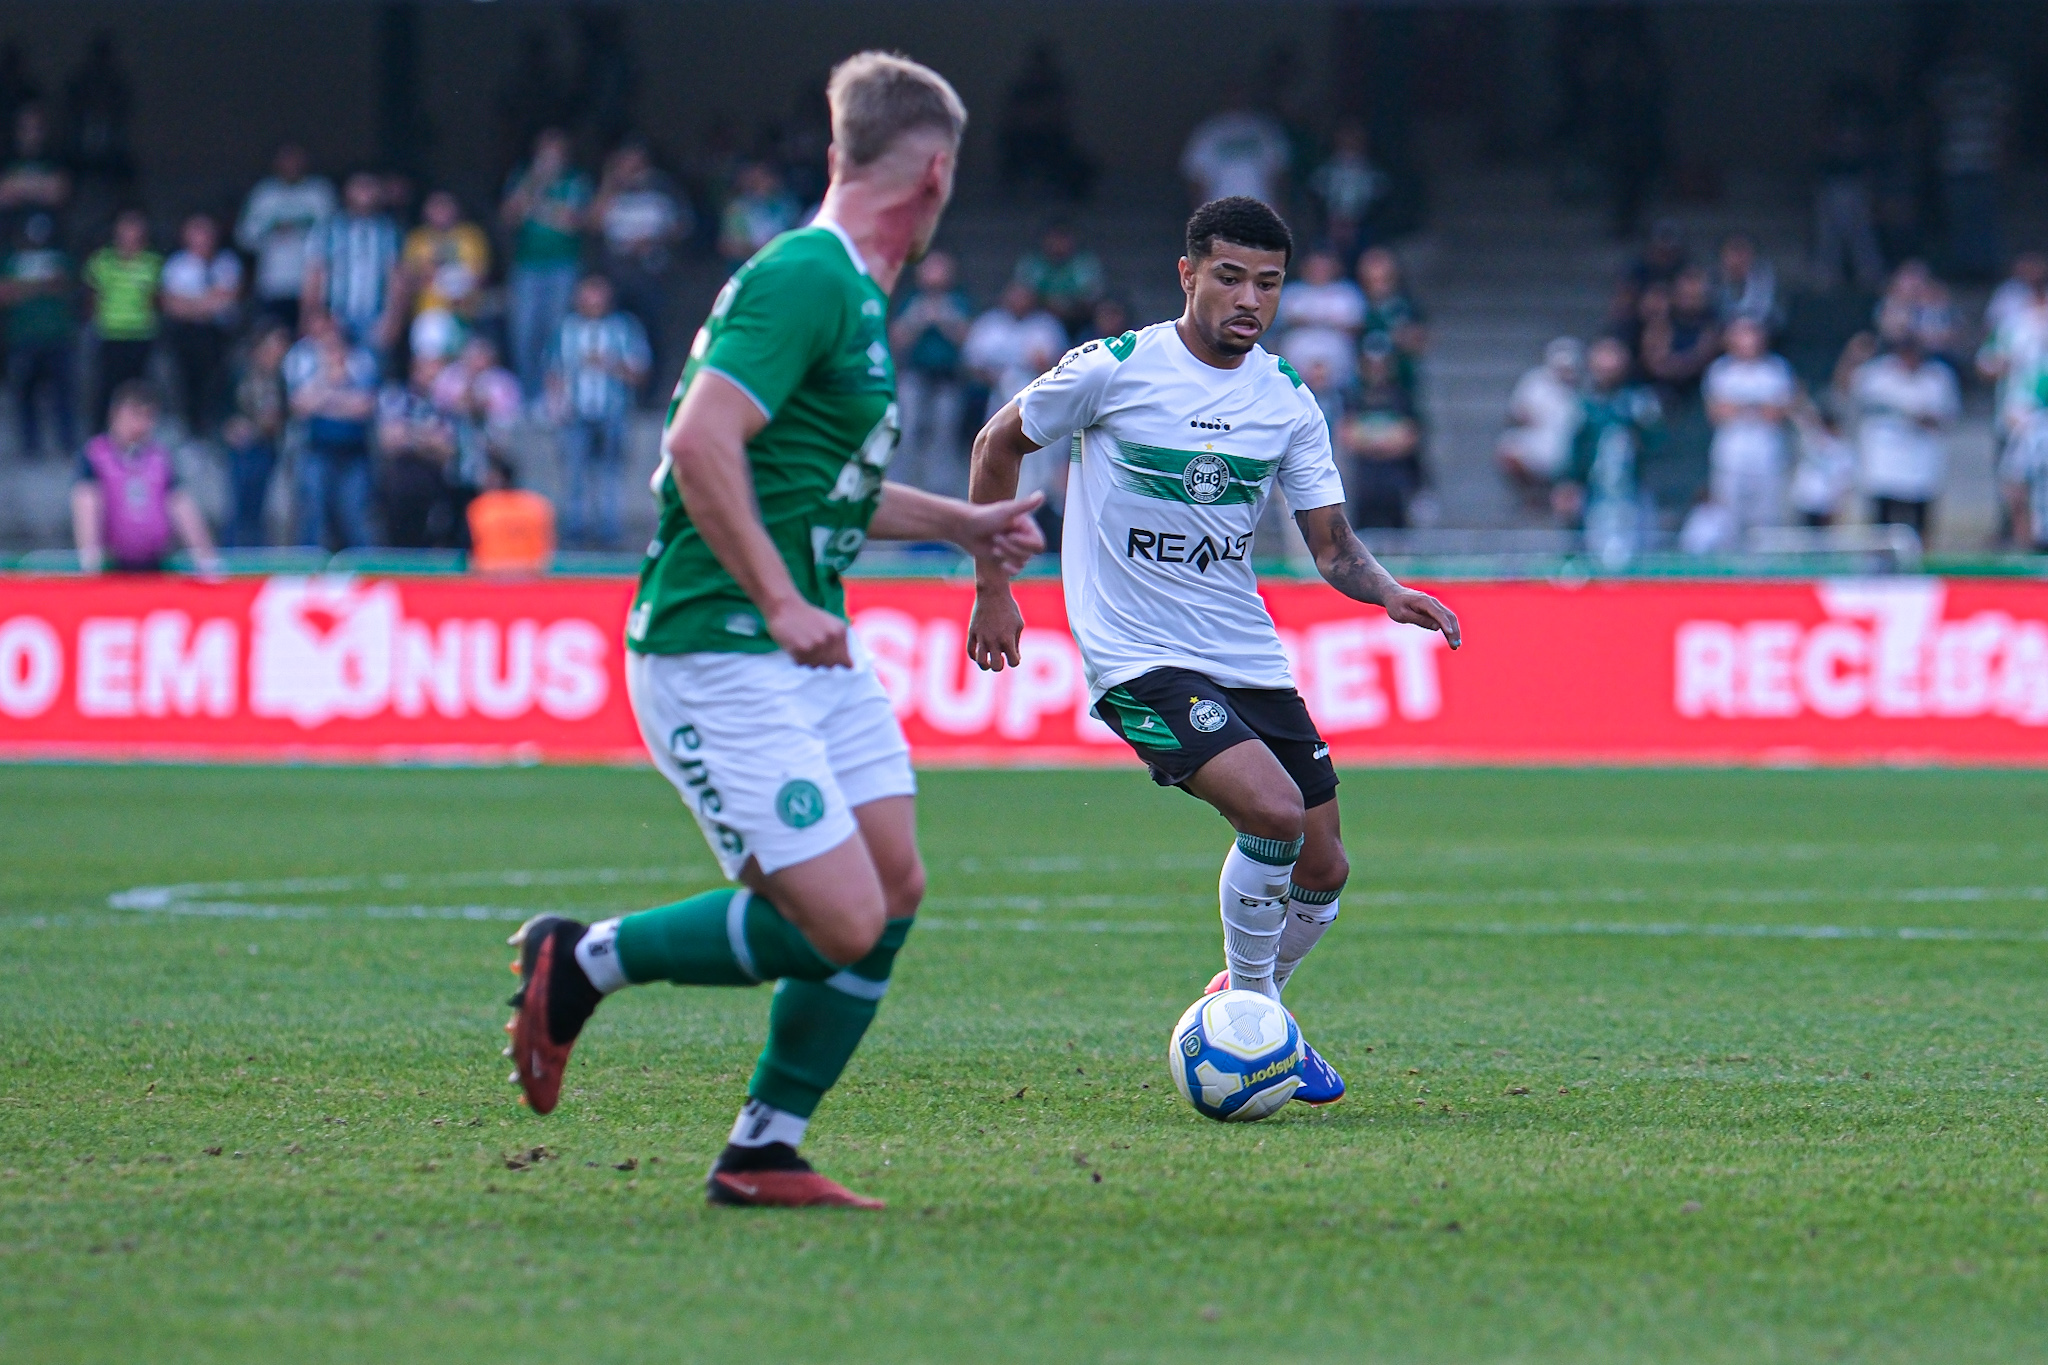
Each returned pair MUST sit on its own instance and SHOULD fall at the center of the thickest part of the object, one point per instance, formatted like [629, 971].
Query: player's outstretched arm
[996, 629]
[1349, 567]
[1001, 532]
[707, 450]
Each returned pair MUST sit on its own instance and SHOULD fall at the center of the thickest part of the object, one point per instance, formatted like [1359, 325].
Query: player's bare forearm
[1350, 568]
[1002, 533]
[999, 451]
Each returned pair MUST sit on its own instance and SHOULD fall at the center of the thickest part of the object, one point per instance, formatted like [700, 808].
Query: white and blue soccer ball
[1236, 1056]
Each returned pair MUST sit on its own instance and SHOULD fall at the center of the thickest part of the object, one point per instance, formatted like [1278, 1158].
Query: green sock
[814, 1026]
[728, 937]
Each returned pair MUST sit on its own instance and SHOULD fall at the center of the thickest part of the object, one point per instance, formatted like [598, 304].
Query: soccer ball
[1235, 1056]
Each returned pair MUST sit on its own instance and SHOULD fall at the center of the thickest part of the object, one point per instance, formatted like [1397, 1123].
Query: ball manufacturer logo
[1208, 716]
[1192, 1045]
[800, 804]
[1206, 478]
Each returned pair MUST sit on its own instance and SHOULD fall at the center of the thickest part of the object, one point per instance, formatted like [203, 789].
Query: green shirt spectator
[1066, 279]
[549, 231]
[37, 282]
[124, 286]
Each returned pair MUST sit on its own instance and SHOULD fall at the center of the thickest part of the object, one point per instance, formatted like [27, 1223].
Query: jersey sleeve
[781, 317]
[1068, 397]
[1308, 471]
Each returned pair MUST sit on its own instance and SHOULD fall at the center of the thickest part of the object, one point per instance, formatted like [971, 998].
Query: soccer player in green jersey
[752, 695]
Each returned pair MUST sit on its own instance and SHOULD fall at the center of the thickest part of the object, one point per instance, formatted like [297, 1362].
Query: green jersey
[801, 330]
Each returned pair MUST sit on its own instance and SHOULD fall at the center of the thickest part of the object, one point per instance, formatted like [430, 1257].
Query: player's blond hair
[877, 97]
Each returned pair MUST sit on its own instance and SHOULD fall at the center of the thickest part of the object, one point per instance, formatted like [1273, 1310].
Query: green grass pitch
[1642, 1067]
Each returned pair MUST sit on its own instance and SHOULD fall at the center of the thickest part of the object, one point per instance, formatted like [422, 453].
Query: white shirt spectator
[643, 220]
[1307, 347]
[1011, 351]
[1903, 458]
[1236, 152]
[2017, 352]
[187, 276]
[1549, 412]
[275, 224]
[1825, 473]
[1749, 439]
[2011, 297]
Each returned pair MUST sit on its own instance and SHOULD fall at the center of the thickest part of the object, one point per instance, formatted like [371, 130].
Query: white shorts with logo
[770, 756]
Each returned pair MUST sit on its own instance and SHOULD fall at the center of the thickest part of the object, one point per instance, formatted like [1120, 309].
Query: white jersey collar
[852, 251]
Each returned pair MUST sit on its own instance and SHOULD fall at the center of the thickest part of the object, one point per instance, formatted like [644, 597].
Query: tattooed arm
[1350, 568]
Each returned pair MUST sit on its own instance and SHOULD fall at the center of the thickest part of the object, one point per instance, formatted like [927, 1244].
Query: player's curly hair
[1241, 221]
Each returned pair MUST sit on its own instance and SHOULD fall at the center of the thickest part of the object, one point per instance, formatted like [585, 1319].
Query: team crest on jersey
[1208, 716]
[1206, 478]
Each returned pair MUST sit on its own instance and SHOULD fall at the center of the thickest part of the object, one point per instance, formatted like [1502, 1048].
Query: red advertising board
[1841, 670]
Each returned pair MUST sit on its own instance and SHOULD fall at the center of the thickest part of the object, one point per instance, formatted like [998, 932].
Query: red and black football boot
[775, 1177]
[1218, 982]
[553, 1000]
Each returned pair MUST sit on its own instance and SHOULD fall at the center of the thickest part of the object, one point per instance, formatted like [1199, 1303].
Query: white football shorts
[770, 756]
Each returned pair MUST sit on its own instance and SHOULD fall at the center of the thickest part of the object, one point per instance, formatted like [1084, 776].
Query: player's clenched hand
[995, 629]
[1412, 608]
[1003, 532]
[810, 635]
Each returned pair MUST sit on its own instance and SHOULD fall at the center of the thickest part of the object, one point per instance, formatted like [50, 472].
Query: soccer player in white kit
[1179, 433]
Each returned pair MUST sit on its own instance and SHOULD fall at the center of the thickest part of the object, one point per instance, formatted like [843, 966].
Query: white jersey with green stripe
[1173, 461]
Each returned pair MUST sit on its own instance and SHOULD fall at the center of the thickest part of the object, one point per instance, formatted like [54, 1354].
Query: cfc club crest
[1207, 716]
[1206, 478]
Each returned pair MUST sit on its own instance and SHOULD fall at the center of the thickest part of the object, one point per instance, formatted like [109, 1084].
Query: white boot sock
[1309, 913]
[1253, 894]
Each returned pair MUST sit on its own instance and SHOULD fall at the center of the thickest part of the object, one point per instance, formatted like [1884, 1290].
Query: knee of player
[1322, 869]
[1275, 816]
[906, 892]
[851, 935]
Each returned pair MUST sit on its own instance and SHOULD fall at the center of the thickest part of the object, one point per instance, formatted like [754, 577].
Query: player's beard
[1229, 343]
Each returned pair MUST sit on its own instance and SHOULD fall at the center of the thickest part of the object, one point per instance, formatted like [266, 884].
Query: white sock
[1309, 913]
[1253, 893]
[760, 1124]
[598, 955]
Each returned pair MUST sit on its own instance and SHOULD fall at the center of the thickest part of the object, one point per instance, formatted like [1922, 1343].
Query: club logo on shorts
[800, 804]
[1206, 478]
[1208, 716]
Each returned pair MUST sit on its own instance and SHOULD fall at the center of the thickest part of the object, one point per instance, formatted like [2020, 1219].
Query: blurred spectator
[127, 506]
[1621, 426]
[1381, 438]
[2015, 354]
[333, 388]
[484, 403]
[98, 102]
[18, 86]
[1347, 186]
[352, 271]
[254, 431]
[2021, 290]
[1663, 255]
[1543, 416]
[1914, 301]
[511, 529]
[124, 279]
[1680, 337]
[1392, 313]
[1826, 471]
[202, 292]
[1973, 101]
[1036, 141]
[544, 211]
[37, 286]
[599, 359]
[416, 447]
[760, 211]
[1236, 151]
[2024, 472]
[1844, 198]
[1745, 285]
[927, 335]
[1320, 316]
[1749, 394]
[1906, 401]
[446, 261]
[1007, 347]
[33, 180]
[277, 222]
[1012, 344]
[1066, 279]
[1112, 318]
[643, 217]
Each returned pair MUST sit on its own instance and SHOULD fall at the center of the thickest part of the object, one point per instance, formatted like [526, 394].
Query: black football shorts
[1177, 720]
